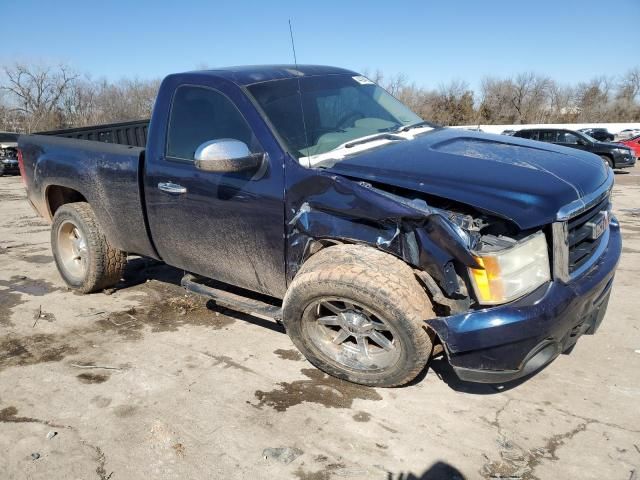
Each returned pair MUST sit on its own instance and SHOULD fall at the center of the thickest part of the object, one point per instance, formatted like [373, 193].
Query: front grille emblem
[598, 225]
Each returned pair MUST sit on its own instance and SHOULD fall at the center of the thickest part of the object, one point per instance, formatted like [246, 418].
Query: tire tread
[370, 271]
[106, 263]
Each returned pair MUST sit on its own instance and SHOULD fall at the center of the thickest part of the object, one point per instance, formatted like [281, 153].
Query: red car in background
[634, 144]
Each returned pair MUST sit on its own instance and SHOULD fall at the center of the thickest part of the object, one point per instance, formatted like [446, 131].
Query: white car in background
[628, 133]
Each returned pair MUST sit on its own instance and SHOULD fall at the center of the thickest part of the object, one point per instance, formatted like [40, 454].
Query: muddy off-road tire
[358, 314]
[85, 259]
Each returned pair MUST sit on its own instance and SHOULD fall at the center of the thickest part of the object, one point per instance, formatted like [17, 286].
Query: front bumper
[503, 343]
[624, 161]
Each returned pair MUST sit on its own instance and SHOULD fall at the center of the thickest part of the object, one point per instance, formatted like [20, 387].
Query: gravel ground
[147, 382]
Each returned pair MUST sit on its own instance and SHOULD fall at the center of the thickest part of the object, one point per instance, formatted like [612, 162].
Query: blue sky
[432, 42]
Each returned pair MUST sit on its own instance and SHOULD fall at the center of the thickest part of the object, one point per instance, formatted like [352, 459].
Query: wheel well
[440, 309]
[58, 196]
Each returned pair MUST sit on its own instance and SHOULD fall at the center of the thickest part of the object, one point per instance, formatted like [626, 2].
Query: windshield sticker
[363, 80]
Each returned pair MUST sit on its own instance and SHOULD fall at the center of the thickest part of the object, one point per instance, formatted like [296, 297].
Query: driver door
[225, 226]
[569, 139]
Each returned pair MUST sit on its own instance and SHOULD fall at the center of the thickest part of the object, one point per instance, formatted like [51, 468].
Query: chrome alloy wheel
[72, 250]
[350, 334]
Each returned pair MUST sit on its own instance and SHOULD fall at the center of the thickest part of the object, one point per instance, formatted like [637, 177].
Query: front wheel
[607, 161]
[85, 259]
[358, 314]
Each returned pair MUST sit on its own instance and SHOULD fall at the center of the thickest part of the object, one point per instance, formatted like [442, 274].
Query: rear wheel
[85, 259]
[358, 314]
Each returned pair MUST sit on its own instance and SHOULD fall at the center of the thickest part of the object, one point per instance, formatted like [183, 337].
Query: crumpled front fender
[324, 208]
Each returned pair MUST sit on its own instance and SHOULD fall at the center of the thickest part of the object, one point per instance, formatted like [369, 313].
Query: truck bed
[106, 175]
[133, 133]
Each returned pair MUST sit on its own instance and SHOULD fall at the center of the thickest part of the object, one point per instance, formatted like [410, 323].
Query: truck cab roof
[248, 75]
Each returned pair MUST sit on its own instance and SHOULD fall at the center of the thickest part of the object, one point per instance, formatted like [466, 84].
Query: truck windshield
[335, 109]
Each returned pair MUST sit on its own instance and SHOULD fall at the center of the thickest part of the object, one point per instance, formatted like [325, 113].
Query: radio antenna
[298, 74]
[293, 45]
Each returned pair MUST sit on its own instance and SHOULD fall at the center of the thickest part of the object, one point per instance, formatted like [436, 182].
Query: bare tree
[630, 85]
[396, 84]
[496, 105]
[79, 104]
[453, 104]
[529, 94]
[593, 99]
[37, 91]
[562, 107]
[38, 97]
[127, 99]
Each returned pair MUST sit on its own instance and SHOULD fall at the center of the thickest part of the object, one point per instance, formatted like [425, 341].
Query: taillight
[21, 167]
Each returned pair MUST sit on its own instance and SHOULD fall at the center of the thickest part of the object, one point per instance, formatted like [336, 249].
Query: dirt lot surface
[147, 382]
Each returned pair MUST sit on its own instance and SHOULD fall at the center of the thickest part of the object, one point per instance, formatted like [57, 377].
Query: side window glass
[566, 137]
[199, 115]
[548, 136]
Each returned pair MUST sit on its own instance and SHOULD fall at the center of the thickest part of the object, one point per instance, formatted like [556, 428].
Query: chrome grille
[580, 230]
[578, 241]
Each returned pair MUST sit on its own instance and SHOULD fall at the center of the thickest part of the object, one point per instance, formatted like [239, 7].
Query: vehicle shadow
[441, 367]
[139, 270]
[437, 471]
[245, 317]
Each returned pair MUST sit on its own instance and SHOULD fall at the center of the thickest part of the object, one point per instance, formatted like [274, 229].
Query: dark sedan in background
[614, 154]
[600, 134]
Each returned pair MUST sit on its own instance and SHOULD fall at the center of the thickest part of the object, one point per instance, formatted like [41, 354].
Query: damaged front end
[437, 241]
[501, 312]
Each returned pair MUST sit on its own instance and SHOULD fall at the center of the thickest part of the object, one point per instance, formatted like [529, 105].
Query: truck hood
[513, 178]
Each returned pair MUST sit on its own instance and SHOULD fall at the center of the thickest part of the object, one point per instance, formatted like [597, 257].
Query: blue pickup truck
[378, 239]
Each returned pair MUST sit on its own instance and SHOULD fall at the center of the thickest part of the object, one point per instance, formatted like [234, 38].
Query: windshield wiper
[422, 123]
[371, 138]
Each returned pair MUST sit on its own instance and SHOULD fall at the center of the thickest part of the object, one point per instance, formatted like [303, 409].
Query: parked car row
[600, 134]
[616, 155]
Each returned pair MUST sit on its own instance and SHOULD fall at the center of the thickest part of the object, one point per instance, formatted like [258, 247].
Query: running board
[231, 300]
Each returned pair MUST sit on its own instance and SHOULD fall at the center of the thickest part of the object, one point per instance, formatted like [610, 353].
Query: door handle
[173, 188]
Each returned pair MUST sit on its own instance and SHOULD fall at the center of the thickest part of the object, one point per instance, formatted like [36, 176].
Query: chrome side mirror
[226, 155]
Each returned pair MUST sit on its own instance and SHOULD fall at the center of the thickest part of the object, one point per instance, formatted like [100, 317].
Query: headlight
[513, 272]
[622, 151]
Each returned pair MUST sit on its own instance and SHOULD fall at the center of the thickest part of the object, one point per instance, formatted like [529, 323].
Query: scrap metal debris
[40, 315]
[104, 367]
[284, 455]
